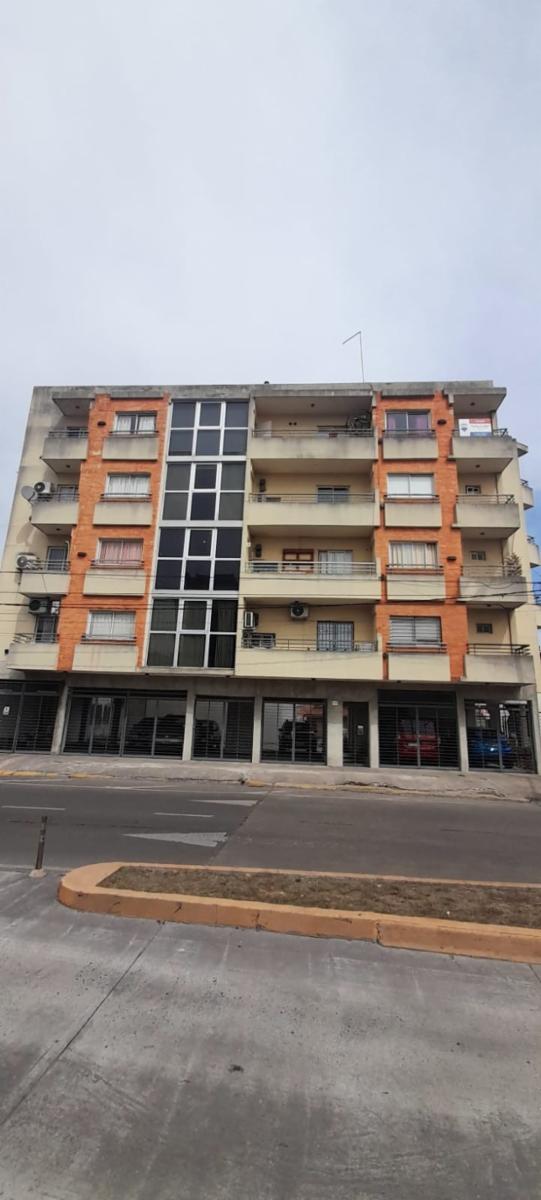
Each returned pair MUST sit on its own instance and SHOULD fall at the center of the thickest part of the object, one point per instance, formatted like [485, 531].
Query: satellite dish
[27, 492]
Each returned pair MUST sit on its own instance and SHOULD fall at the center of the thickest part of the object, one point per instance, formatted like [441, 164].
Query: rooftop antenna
[358, 335]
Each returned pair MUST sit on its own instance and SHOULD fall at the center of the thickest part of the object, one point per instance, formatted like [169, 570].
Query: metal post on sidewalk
[39, 871]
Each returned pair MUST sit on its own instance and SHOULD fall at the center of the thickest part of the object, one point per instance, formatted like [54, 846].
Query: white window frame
[138, 492]
[115, 619]
[409, 482]
[399, 552]
[197, 598]
[190, 491]
[211, 557]
[410, 412]
[415, 638]
[119, 562]
[137, 421]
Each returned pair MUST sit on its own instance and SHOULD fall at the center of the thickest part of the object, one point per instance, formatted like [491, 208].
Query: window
[57, 558]
[209, 427]
[410, 485]
[332, 495]
[135, 422]
[193, 633]
[293, 732]
[472, 489]
[415, 631]
[115, 626]
[127, 486]
[119, 552]
[66, 491]
[408, 422]
[483, 627]
[479, 555]
[335, 635]
[45, 628]
[335, 562]
[413, 554]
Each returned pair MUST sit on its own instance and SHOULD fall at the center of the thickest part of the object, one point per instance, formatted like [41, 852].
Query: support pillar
[373, 732]
[463, 760]
[258, 725]
[335, 733]
[188, 726]
[60, 720]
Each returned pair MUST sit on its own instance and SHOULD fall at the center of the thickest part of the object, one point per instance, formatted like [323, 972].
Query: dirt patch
[446, 901]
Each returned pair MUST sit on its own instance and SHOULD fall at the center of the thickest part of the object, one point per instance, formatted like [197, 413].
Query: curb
[80, 889]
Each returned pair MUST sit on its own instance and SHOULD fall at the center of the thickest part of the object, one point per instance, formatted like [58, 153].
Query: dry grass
[448, 901]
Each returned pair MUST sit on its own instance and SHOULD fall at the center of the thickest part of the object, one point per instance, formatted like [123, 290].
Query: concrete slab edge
[80, 889]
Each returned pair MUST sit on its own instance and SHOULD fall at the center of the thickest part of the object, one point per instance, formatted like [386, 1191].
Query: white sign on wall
[474, 426]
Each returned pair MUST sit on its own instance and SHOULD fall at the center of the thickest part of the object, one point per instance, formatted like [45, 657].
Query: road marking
[190, 839]
[198, 816]
[35, 807]
[206, 800]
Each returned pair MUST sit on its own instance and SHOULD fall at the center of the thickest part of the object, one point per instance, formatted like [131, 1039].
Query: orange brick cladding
[454, 618]
[76, 606]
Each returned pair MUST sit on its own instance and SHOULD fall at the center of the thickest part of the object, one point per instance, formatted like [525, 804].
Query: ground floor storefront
[281, 722]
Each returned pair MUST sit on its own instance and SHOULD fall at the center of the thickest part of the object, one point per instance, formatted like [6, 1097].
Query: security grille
[499, 736]
[223, 728]
[294, 732]
[126, 723]
[418, 731]
[27, 717]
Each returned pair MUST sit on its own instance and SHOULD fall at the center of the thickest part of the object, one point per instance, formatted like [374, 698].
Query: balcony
[492, 585]
[57, 513]
[123, 510]
[486, 452]
[303, 449]
[65, 449]
[105, 656]
[266, 656]
[42, 580]
[280, 583]
[304, 513]
[419, 664]
[131, 447]
[495, 516]
[414, 444]
[421, 512]
[528, 498]
[499, 663]
[533, 552]
[406, 583]
[28, 653]
[115, 580]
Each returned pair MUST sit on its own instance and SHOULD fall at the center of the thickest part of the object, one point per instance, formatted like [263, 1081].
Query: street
[144, 1060]
[97, 820]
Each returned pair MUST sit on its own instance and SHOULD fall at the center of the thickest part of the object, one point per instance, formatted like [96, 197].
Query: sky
[203, 191]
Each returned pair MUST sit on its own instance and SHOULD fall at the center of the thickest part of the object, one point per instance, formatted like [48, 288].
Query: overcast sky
[223, 190]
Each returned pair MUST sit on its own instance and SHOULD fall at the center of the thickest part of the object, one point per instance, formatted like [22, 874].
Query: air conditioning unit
[298, 611]
[251, 620]
[43, 490]
[25, 562]
[39, 608]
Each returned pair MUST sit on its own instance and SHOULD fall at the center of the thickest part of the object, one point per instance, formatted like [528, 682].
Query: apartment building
[332, 574]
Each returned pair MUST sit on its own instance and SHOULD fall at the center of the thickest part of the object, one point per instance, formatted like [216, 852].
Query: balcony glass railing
[260, 566]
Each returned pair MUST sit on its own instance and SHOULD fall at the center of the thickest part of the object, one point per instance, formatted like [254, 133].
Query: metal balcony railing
[409, 433]
[488, 571]
[411, 499]
[479, 498]
[325, 431]
[491, 433]
[63, 494]
[39, 637]
[67, 433]
[334, 497]
[50, 568]
[252, 640]
[259, 566]
[132, 432]
[125, 496]
[413, 569]
[498, 648]
[417, 647]
[117, 566]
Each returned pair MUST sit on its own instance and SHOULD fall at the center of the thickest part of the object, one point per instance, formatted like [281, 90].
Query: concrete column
[373, 732]
[258, 724]
[188, 725]
[60, 720]
[335, 734]
[463, 760]
[536, 736]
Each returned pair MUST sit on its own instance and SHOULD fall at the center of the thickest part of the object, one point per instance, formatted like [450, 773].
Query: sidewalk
[473, 785]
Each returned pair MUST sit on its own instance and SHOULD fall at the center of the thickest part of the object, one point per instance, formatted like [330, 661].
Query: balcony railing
[259, 566]
[488, 571]
[333, 497]
[117, 566]
[410, 433]
[413, 569]
[50, 568]
[38, 637]
[489, 433]
[132, 432]
[498, 648]
[61, 495]
[325, 431]
[433, 499]
[417, 647]
[479, 498]
[68, 433]
[251, 640]
[125, 496]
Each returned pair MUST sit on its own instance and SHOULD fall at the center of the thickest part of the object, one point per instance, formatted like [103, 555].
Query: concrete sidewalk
[472, 785]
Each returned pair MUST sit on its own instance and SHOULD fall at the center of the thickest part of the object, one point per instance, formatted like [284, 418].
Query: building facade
[332, 574]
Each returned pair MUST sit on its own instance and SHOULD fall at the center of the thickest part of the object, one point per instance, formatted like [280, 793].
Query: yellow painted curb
[80, 889]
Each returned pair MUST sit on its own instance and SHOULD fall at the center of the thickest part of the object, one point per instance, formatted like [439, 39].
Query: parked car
[418, 745]
[485, 748]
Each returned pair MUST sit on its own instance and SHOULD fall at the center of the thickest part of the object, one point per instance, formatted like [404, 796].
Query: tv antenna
[358, 335]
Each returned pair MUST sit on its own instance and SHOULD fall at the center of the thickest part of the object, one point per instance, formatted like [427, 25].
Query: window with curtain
[335, 562]
[134, 422]
[127, 485]
[410, 485]
[415, 631]
[413, 554]
[121, 552]
[408, 422]
[118, 626]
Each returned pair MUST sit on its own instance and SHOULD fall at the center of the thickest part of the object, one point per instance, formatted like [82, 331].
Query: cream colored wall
[278, 621]
[306, 421]
[501, 632]
[304, 485]
[487, 483]
[273, 548]
[523, 619]
[494, 551]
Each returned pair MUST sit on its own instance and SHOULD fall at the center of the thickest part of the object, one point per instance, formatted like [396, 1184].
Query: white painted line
[190, 839]
[198, 816]
[35, 807]
[205, 800]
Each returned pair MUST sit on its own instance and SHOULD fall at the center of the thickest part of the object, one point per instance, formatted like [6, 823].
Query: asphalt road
[143, 1060]
[94, 821]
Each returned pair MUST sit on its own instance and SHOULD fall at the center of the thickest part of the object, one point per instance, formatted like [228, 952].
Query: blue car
[486, 749]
